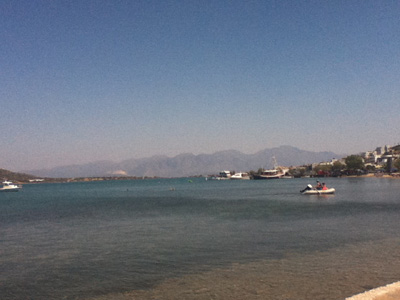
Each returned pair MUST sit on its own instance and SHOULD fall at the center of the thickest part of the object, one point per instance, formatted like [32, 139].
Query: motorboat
[309, 190]
[274, 173]
[240, 175]
[8, 186]
[224, 175]
[269, 174]
[319, 192]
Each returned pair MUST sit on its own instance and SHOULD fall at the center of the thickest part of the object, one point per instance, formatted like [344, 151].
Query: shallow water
[104, 239]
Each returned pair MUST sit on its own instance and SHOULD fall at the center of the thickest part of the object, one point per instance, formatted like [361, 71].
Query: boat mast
[274, 163]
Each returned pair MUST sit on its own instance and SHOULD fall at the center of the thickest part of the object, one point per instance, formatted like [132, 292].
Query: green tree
[370, 168]
[338, 166]
[323, 168]
[354, 163]
[297, 172]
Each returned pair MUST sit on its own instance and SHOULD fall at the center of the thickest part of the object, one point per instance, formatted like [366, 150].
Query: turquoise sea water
[81, 240]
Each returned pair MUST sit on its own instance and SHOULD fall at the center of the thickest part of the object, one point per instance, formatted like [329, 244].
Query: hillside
[16, 177]
[190, 165]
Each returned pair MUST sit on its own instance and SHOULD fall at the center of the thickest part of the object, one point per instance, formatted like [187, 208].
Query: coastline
[394, 175]
[91, 179]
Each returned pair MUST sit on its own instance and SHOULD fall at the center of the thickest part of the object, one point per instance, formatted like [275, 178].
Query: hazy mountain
[189, 164]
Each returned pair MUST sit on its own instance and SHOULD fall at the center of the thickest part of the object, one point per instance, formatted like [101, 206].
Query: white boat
[240, 175]
[8, 186]
[309, 190]
[223, 175]
[319, 192]
[274, 173]
[270, 174]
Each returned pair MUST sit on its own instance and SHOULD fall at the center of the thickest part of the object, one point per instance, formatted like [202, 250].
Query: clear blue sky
[82, 81]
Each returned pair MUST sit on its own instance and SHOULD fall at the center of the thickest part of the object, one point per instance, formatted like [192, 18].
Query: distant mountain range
[189, 164]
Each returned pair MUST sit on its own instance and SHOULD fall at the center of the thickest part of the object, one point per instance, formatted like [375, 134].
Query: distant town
[383, 161]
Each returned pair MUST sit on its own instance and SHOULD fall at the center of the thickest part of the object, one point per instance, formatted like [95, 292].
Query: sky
[83, 81]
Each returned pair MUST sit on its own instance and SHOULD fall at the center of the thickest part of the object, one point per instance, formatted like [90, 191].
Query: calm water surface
[81, 240]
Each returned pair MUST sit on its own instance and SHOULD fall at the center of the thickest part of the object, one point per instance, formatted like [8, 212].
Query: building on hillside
[382, 150]
[396, 149]
[371, 157]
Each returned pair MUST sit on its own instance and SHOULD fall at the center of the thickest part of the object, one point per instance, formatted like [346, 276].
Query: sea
[191, 238]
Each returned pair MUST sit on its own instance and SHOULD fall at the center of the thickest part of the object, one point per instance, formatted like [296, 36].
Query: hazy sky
[82, 81]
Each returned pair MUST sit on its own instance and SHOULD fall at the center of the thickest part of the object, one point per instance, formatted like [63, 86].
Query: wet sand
[335, 274]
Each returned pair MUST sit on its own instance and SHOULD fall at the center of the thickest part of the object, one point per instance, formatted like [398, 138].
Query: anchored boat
[274, 173]
[8, 186]
[269, 174]
[240, 175]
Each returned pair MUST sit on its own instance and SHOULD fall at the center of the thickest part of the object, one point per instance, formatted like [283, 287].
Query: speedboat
[8, 186]
[224, 175]
[309, 190]
[240, 175]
